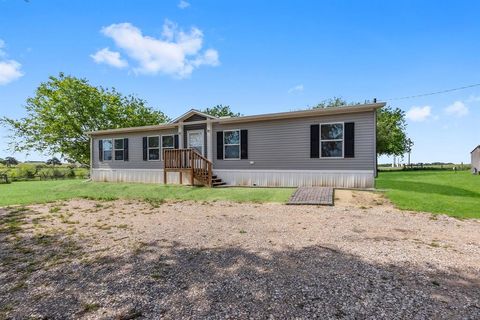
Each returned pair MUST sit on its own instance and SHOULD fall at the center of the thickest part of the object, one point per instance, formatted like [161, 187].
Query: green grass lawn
[29, 192]
[454, 193]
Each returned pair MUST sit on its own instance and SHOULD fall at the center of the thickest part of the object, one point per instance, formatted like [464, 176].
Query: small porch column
[180, 135]
[209, 140]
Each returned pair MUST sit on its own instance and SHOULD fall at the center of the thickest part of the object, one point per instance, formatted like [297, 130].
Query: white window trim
[333, 140]
[203, 138]
[114, 149]
[161, 143]
[159, 148]
[239, 144]
[103, 150]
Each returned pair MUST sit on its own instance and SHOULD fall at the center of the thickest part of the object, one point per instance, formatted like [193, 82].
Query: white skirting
[296, 178]
[258, 178]
[133, 175]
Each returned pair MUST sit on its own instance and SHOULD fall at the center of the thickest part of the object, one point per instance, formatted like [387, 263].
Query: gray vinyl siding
[199, 126]
[272, 145]
[195, 117]
[285, 144]
[135, 154]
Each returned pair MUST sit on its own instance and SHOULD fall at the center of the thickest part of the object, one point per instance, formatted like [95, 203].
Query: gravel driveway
[360, 259]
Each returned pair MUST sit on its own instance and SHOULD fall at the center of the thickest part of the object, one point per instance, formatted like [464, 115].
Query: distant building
[475, 159]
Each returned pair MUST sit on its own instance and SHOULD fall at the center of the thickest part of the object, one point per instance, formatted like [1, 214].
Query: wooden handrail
[188, 160]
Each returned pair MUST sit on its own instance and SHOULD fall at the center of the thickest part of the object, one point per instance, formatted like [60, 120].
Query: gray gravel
[361, 259]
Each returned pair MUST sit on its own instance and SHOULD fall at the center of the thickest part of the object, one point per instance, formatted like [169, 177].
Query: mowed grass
[28, 192]
[456, 194]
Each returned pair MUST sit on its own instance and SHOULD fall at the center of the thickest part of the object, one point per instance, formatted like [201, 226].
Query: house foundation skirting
[133, 175]
[253, 178]
[296, 178]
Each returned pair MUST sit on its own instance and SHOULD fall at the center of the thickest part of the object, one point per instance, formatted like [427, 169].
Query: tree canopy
[333, 102]
[10, 161]
[391, 127]
[391, 132]
[221, 111]
[53, 162]
[65, 108]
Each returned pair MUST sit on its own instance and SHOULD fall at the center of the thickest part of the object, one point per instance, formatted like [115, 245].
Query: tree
[10, 161]
[391, 131]
[65, 108]
[333, 102]
[53, 162]
[391, 127]
[2, 161]
[221, 111]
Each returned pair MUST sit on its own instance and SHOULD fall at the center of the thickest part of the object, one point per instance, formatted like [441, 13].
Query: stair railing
[187, 160]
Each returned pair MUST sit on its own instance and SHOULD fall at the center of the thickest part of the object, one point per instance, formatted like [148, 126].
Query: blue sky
[258, 57]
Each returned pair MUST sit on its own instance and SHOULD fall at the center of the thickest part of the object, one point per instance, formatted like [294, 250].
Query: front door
[195, 140]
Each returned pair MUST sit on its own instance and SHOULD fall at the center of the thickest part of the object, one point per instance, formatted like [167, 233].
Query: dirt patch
[130, 259]
[359, 199]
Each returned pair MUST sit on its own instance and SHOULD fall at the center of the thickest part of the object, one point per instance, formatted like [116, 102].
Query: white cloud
[473, 98]
[111, 58]
[176, 53]
[10, 70]
[297, 88]
[183, 4]
[458, 109]
[419, 113]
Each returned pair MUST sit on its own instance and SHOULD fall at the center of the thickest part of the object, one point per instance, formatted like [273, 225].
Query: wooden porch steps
[189, 160]
[216, 181]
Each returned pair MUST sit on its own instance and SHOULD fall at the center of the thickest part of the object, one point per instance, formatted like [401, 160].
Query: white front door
[195, 140]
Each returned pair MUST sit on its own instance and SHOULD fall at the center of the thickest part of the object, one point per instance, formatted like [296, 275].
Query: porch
[190, 162]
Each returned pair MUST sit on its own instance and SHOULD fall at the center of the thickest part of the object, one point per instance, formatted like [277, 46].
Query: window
[331, 140]
[118, 148]
[231, 144]
[168, 142]
[153, 148]
[107, 149]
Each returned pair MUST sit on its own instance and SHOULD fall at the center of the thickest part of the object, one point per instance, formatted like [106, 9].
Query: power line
[432, 93]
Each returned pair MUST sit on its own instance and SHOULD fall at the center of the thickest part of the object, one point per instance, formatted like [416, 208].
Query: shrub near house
[40, 171]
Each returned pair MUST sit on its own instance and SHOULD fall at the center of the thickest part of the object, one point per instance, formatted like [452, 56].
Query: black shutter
[243, 144]
[349, 138]
[220, 145]
[125, 149]
[100, 150]
[175, 141]
[315, 141]
[145, 149]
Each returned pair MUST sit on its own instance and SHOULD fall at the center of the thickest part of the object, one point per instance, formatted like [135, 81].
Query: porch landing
[312, 195]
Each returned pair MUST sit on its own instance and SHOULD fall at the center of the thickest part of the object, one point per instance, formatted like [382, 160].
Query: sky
[257, 57]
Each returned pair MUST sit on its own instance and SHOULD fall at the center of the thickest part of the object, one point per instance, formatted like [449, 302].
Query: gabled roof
[190, 113]
[477, 147]
[253, 118]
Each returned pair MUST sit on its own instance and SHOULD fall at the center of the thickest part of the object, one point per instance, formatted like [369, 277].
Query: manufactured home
[320, 147]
